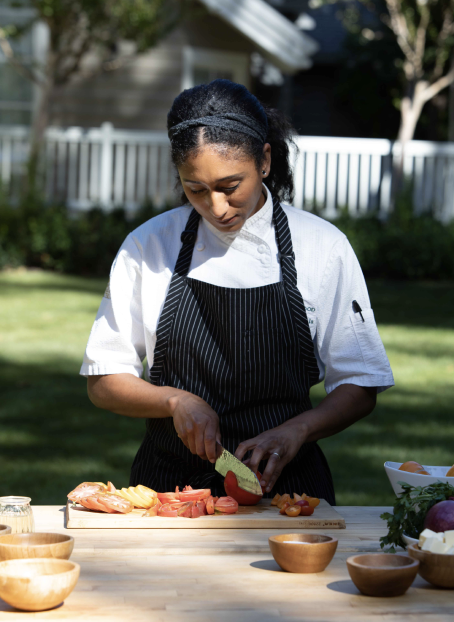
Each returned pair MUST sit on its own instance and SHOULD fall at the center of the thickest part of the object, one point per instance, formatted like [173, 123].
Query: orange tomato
[313, 501]
[293, 510]
[275, 499]
[413, 467]
[284, 499]
[284, 507]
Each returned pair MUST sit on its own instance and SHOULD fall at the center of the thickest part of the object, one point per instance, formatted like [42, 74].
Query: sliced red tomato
[185, 510]
[242, 496]
[195, 495]
[111, 487]
[226, 505]
[91, 503]
[210, 505]
[167, 510]
[168, 497]
[85, 489]
[115, 502]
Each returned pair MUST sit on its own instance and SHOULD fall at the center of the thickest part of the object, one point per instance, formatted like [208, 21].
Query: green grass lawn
[52, 437]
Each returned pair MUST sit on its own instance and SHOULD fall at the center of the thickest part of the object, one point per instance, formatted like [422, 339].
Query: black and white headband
[228, 120]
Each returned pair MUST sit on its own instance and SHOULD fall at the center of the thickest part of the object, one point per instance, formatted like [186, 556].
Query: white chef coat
[348, 350]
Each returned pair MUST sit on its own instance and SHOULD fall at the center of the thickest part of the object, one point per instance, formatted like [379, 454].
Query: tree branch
[25, 71]
[438, 86]
[400, 28]
[420, 42]
[441, 54]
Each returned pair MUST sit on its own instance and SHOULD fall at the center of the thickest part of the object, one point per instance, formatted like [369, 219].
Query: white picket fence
[108, 167]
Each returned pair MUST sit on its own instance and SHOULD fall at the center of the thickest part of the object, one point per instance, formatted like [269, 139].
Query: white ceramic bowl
[437, 474]
[409, 540]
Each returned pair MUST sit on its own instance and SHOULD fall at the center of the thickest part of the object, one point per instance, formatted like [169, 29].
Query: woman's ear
[266, 163]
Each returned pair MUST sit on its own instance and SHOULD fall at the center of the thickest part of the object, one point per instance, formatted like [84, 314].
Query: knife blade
[247, 480]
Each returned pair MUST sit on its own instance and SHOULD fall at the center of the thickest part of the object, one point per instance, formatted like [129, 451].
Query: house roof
[277, 38]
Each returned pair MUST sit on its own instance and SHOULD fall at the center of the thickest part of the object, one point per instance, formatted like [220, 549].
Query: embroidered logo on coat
[107, 292]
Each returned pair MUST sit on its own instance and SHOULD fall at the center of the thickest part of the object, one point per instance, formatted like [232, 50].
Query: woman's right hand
[196, 424]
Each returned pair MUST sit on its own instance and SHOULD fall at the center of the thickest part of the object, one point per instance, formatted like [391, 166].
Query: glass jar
[17, 513]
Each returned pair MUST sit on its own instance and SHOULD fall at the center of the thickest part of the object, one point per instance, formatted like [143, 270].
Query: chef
[240, 303]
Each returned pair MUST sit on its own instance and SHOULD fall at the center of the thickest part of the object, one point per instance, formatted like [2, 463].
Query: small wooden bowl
[37, 584]
[433, 567]
[5, 530]
[382, 574]
[32, 545]
[313, 556]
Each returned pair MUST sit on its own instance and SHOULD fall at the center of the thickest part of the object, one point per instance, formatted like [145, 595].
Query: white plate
[437, 474]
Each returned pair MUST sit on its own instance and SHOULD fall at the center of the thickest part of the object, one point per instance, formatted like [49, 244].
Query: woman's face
[223, 188]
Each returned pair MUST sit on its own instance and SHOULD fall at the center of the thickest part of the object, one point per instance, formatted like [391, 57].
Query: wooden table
[223, 575]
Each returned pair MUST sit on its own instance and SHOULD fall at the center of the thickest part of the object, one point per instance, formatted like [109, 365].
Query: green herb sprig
[410, 510]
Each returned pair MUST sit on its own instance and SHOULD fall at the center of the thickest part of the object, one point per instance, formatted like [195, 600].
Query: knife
[247, 480]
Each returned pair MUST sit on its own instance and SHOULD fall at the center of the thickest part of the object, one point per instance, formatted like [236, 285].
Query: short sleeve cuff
[103, 369]
[382, 382]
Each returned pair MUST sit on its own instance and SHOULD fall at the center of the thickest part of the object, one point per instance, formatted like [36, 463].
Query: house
[219, 40]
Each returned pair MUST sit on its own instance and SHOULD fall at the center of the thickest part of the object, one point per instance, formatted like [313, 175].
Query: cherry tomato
[313, 501]
[303, 503]
[284, 507]
[307, 510]
[284, 499]
[275, 500]
[293, 510]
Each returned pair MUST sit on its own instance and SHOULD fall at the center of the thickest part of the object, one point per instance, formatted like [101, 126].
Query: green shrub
[49, 237]
[402, 247]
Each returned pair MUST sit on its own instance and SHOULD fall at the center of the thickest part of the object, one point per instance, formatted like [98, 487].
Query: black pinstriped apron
[249, 354]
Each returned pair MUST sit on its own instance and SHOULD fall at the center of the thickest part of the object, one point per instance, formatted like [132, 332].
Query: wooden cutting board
[260, 516]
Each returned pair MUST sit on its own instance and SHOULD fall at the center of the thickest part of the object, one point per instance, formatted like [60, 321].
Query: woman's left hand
[279, 445]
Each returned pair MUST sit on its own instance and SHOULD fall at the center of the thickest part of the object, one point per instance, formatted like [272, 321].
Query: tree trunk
[38, 130]
[411, 108]
[451, 106]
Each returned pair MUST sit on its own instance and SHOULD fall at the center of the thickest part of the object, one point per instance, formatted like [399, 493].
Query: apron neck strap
[188, 238]
[284, 244]
[283, 239]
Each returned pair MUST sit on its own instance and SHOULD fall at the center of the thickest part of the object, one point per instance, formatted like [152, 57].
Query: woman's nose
[219, 204]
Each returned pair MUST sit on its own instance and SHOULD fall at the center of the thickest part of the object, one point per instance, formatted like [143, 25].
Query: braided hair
[223, 97]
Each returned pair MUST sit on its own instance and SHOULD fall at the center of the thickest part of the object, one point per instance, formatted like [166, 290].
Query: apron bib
[249, 354]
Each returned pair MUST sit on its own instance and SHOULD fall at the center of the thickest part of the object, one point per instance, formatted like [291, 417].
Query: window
[18, 95]
[202, 65]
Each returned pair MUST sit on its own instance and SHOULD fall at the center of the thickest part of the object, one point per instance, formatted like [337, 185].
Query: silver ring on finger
[276, 454]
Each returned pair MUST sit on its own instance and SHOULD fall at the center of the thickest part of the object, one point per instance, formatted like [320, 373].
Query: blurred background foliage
[37, 235]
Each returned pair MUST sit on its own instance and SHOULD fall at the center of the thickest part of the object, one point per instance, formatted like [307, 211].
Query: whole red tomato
[241, 496]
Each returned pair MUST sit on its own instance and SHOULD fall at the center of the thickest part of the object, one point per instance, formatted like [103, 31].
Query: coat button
[261, 248]
[200, 246]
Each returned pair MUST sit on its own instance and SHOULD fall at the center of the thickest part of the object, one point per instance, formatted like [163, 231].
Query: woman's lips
[226, 222]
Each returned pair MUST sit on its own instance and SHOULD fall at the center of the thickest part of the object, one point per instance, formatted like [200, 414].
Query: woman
[240, 305]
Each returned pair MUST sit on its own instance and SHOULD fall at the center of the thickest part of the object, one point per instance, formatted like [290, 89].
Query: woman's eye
[228, 190]
[195, 191]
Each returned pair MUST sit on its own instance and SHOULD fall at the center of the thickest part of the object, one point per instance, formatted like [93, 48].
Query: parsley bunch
[410, 510]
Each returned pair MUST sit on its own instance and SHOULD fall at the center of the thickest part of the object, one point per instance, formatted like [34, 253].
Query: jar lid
[14, 500]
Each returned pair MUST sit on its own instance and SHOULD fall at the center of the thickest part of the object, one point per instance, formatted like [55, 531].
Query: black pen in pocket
[357, 309]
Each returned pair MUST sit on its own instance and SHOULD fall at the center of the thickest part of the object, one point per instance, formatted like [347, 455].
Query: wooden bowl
[382, 574]
[433, 567]
[31, 545]
[300, 552]
[5, 530]
[37, 584]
